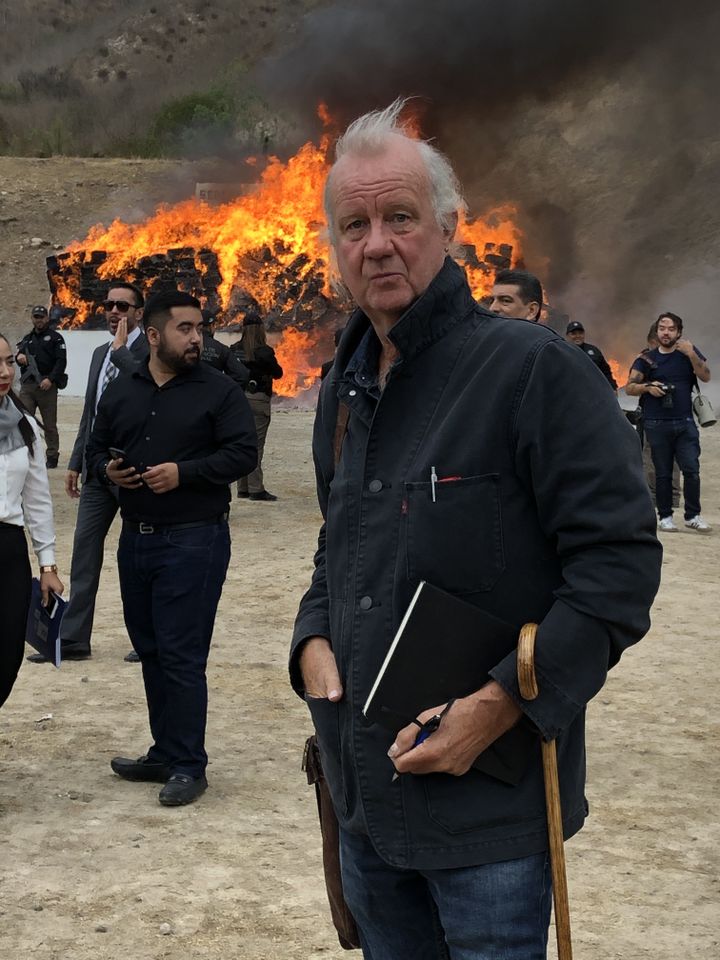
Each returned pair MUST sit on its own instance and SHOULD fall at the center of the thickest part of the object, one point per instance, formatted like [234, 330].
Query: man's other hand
[685, 346]
[469, 727]
[21, 359]
[162, 478]
[321, 679]
[45, 384]
[72, 488]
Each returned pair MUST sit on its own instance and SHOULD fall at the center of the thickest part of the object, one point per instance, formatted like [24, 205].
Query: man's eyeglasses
[122, 306]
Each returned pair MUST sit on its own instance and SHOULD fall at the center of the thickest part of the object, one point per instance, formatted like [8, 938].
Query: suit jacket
[126, 360]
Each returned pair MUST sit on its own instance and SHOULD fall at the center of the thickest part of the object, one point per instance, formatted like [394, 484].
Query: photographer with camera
[664, 378]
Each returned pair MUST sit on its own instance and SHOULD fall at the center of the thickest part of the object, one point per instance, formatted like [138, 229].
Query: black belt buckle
[146, 528]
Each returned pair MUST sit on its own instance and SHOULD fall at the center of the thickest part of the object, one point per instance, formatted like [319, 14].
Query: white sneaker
[667, 525]
[697, 523]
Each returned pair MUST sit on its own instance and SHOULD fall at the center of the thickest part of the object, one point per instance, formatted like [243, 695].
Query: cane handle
[526, 662]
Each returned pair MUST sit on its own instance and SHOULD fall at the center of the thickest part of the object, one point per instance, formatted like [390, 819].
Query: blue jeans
[675, 440]
[171, 584]
[496, 911]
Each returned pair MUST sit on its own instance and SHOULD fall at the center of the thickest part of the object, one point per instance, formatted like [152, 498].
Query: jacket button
[366, 603]
[375, 486]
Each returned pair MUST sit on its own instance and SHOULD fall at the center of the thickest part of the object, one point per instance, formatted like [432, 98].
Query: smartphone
[52, 605]
[116, 453]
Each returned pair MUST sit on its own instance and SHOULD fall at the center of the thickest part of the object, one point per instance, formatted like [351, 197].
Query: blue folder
[42, 631]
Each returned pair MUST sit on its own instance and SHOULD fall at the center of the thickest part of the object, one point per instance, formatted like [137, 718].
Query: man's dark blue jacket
[547, 519]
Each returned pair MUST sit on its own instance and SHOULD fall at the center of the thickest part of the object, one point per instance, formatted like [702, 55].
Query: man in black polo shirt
[182, 433]
[664, 378]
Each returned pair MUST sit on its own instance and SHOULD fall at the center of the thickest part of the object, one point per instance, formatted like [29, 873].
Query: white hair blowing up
[373, 133]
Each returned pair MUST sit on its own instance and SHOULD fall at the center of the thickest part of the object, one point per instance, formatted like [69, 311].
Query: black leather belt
[167, 527]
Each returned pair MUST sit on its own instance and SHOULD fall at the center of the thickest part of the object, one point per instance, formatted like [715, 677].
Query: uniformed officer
[42, 358]
[575, 333]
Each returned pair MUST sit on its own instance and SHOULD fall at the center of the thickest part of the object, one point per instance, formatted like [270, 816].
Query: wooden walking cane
[528, 691]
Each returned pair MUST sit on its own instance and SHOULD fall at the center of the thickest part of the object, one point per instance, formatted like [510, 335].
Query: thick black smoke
[485, 55]
[599, 119]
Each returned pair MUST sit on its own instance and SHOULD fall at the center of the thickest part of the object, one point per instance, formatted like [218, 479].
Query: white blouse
[25, 496]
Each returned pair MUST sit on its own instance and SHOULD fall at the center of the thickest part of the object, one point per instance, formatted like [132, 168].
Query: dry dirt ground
[92, 867]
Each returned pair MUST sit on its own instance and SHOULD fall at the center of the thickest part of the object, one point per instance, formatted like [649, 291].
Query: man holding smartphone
[185, 433]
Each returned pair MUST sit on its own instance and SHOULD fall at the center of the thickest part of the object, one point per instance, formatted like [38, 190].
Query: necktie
[111, 371]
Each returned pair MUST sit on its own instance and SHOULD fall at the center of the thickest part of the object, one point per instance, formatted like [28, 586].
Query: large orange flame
[256, 237]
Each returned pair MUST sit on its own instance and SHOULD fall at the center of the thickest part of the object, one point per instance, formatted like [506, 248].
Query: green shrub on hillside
[194, 118]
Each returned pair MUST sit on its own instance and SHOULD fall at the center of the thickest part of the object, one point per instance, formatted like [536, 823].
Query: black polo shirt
[200, 420]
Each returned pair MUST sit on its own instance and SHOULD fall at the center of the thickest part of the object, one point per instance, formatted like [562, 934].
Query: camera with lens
[668, 390]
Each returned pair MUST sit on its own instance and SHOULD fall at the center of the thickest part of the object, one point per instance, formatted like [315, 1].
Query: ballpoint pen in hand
[426, 729]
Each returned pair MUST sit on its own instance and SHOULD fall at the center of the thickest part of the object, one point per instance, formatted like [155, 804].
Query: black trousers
[15, 581]
[171, 583]
[96, 512]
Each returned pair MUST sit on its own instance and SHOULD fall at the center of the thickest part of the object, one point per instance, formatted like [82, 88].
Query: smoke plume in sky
[599, 119]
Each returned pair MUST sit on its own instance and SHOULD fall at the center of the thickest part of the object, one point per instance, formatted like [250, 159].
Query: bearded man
[173, 436]
[461, 463]
[664, 378]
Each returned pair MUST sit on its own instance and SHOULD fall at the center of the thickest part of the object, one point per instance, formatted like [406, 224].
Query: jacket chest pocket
[455, 542]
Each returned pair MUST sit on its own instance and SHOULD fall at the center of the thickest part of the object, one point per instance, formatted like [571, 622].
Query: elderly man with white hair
[446, 450]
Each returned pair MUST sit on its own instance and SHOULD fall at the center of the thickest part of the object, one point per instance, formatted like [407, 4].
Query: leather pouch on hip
[330, 831]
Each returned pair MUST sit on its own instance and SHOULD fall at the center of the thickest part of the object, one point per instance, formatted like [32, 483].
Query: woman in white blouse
[24, 501]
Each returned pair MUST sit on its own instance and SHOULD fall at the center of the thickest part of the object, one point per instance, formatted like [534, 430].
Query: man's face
[508, 302]
[576, 336]
[388, 243]
[133, 313]
[179, 343]
[40, 322]
[667, 332]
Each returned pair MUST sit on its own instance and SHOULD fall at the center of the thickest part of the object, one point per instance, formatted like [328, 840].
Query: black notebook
[444, 648]
[42, 630]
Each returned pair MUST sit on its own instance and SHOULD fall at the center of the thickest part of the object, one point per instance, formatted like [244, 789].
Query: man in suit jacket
[98, 503]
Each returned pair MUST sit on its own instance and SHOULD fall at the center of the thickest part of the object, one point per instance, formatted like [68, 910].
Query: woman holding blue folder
[24, 502]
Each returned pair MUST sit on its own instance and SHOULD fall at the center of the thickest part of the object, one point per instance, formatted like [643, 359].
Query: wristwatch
[48, 568]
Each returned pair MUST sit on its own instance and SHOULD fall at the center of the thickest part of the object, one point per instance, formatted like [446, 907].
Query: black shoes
[143, 769]
[51, 463]
[242, 494]
[64, 655]
[263, 495]
[181, 789]
[132, 657]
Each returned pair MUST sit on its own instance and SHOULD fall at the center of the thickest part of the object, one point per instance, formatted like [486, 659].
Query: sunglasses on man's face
[122, 306]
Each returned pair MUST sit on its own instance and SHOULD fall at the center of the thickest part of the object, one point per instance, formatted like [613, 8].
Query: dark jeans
[675, 440]
[496, 911]
[171, 584]
[15, 579]
[96, 512]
